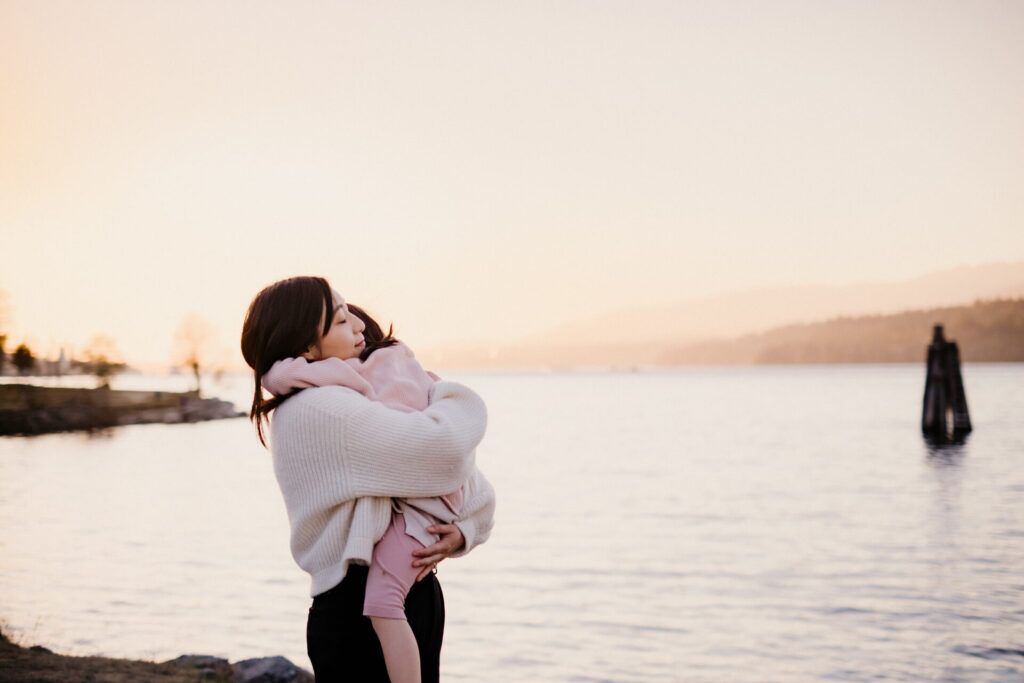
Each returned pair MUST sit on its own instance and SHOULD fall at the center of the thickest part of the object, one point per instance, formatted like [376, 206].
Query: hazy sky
[487, 170]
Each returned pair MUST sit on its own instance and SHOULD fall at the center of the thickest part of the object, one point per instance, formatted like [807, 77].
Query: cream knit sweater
[339, 458]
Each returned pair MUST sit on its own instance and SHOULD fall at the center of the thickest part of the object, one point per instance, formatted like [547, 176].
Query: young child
[386, 371]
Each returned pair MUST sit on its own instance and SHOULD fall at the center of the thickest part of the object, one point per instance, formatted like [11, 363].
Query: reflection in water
[945, 454]
[946, 466]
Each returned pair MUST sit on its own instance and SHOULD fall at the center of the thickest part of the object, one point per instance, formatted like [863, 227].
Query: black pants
[342, 644]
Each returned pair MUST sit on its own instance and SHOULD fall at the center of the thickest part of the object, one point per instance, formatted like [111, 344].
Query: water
[747, 524]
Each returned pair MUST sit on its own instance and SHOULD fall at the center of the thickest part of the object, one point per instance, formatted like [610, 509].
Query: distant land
[986, 331]
[655, 335]
[759, 310]
[643, 335]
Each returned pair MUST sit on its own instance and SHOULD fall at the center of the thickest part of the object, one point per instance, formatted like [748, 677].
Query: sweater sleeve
[476, 519]
[289, 374]
[386, 452]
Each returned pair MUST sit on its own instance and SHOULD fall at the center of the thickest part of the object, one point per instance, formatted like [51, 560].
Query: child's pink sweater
[391, 375]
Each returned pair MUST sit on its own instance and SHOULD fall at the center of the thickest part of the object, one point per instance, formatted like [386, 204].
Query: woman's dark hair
[283, 321]
[375, 338]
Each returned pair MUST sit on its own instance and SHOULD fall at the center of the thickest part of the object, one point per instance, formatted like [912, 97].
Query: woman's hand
[451, 540]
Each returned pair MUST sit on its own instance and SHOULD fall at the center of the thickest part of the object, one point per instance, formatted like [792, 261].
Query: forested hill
[985, 331]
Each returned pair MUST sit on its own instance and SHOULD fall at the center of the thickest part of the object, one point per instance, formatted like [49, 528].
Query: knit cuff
[468, 529]
[358, 550]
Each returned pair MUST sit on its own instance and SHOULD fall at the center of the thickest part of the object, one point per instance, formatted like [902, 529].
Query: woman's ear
[312, 353]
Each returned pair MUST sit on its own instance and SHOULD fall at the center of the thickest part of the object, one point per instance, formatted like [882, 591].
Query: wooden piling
[945, 418]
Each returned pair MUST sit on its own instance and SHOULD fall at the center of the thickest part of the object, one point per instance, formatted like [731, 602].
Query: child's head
[374, 336]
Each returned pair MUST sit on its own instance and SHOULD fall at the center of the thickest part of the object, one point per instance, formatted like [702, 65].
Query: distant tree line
[194, 340]
[3, 328]
[985, 331]
[100, 360]
[21, 358]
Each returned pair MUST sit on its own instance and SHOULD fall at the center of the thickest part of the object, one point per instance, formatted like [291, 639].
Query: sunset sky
[486, 171]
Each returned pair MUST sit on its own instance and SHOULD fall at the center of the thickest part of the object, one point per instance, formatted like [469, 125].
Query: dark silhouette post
[945, 418]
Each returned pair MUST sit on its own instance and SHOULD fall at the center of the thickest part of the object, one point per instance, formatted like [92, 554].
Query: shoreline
[38, 664]
[28, 409]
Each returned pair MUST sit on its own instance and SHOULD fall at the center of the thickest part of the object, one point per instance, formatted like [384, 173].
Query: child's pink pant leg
[391, 574]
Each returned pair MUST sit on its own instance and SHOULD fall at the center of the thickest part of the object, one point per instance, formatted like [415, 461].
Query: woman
[340, 457]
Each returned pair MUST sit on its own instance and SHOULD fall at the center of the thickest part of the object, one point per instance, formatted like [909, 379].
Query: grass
[21, 664]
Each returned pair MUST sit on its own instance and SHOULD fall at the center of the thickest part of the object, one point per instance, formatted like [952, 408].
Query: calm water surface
[748, 524]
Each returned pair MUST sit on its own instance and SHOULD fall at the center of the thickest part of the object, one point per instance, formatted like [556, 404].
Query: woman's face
[344, 338]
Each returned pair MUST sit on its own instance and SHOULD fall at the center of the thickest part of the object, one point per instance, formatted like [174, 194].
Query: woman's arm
[476, 519]
[470, 530]
[386, 452]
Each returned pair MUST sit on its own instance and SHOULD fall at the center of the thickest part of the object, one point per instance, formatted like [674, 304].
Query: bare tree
[5, 312]
[103, 359]
[193, 344]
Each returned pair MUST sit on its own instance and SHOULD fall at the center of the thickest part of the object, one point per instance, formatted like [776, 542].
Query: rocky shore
[26, 409]
[19, 664]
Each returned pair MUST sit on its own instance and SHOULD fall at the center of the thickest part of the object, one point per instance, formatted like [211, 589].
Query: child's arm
[290, 374]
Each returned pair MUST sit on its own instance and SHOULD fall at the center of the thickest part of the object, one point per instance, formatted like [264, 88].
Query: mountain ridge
[595, 342]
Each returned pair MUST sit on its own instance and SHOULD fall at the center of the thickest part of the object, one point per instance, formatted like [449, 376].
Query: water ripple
[643, 533]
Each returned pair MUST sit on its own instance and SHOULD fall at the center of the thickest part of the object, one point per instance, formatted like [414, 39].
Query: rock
[40, 648]
[269, 670]
[207, 667]
[198, 661]
[195, 409]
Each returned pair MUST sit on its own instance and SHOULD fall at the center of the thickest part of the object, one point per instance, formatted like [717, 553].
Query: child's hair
[374, 336]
